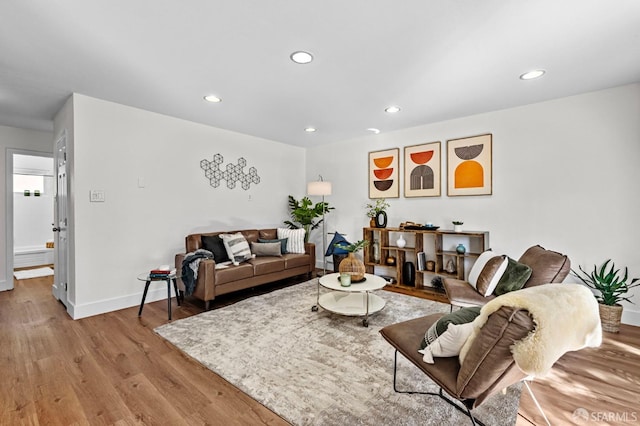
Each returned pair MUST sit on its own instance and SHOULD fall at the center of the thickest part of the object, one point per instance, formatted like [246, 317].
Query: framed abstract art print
[469, 167]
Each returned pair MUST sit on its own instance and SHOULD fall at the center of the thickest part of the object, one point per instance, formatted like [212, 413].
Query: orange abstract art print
[469, 167]
[383, 174]
[422, 170]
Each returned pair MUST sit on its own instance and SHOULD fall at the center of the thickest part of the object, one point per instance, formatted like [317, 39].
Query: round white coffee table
[356, 300]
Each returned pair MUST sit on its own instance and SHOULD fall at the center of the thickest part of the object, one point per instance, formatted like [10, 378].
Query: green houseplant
[304, 214]
[611, 288]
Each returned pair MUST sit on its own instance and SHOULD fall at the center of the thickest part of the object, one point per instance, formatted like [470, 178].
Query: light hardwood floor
[113, 369]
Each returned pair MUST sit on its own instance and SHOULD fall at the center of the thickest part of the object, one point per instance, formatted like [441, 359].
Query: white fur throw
[566, 318]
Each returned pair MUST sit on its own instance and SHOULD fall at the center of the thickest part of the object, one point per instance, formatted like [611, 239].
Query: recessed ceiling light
[374, 130]
[532, 74]
[392, 109]
[310, 129]
[301, 57]
[212, 98]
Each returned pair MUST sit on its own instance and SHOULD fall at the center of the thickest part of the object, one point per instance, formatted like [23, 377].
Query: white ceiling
[435, 59]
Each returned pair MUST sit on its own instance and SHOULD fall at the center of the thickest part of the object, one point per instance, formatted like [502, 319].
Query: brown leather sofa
[547, 266]
[212, 282]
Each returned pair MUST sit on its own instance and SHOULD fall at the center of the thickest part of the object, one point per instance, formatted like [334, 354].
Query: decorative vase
[401, 242]
[353, 266]
[372, 223]
[408, 274]
[461, 249]
[457, 228]
[381, 219]
[610, 316]
[376, 251]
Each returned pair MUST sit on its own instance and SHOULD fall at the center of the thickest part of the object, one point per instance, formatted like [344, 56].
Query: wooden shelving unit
[438, 246]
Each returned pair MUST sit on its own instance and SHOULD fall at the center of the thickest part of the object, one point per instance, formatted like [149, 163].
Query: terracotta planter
[610, 317]
[352, 266]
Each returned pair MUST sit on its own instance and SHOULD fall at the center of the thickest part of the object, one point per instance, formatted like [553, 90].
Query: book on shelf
[421, 261]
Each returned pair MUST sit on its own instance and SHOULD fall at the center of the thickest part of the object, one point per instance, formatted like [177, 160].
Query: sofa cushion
[295, 244]
[514, 277]
[547, 266]
[292, 260]
[463, 294]
[266, 265]
[268, 234]
[283, 243]
[237, 247]
[491, 274]
[266, 249]
[461, 316]
[215, 245]
[448, 343]
[233, 273]
[485, 280]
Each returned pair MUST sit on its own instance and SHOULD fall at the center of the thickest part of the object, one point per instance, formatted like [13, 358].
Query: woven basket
[610, 317]
[352, 266]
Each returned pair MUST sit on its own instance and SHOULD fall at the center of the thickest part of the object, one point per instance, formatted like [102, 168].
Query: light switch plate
[96, 196]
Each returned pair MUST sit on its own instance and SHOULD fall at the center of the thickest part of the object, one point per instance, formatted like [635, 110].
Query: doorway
[30, 193]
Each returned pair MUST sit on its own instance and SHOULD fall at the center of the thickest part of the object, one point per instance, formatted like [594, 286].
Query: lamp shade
[319, 188]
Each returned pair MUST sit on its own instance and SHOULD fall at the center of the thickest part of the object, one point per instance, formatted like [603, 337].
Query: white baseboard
[117, 303]
[630, 316]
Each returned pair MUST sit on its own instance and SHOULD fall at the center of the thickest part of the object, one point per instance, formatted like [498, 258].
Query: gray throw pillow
[514, 278]
[461, 316]
[266, 249]
[282, 241]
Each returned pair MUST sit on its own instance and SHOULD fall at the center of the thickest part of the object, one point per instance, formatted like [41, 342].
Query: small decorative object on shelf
[431, 265]
[391, 260]
[378, 212]
[437, 282]
[376, 251]
[457, 225]
[461, 249]
[409, 274]
[451, 267]
[401, 242]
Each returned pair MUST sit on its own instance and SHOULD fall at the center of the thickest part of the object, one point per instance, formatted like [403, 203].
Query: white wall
[565, 175]
[118, 149]
[12, 138]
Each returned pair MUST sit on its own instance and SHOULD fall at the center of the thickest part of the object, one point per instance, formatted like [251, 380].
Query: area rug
[32, 273]
[319, 368]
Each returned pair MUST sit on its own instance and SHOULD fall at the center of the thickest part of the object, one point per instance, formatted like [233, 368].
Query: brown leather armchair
[547, 266]
[515, 337]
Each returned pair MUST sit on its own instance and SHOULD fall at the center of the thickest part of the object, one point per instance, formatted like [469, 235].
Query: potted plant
[377, 213]
[304, 214]
[457, 225]
[351, 264]
[611, 289]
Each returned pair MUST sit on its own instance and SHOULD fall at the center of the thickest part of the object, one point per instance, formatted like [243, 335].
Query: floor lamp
[320, 187]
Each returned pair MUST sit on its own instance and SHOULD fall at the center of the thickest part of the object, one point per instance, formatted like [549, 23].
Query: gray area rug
[321, 368]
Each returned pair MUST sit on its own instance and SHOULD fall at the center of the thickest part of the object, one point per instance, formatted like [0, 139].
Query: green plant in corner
[353, 247]
[457, 222]
[304, 214]
[611, 287]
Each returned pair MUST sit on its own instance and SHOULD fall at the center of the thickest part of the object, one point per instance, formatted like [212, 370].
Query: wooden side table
[169, 278]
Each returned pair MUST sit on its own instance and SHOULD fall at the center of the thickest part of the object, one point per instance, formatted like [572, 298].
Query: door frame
[8, 283]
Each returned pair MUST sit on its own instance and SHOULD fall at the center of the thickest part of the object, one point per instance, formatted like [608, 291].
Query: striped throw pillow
[237, 247]
[295, 242]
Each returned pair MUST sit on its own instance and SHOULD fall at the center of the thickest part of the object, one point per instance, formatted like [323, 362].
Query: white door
[60, 222]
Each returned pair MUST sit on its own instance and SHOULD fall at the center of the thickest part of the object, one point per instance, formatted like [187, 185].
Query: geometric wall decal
[232, 173]
[384, 178]
[422, 170]
[469, 166]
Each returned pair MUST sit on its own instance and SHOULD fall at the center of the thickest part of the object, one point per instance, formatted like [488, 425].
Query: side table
[148, 279]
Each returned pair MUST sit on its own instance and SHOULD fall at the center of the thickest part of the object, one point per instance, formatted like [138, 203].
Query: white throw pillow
[237, 247]
[479, 266]
[295, 242]
[448, 343]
